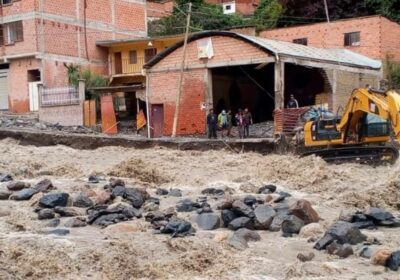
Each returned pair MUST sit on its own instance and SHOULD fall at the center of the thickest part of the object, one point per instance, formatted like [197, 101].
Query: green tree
[268, 13]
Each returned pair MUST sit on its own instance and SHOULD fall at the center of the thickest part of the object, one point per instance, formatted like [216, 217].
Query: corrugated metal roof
[331, 56]
[306, 52]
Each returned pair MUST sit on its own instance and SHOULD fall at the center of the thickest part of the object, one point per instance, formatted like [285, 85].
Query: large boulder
[242, 209]
[74, 222]
[44, 186]
[241, 222]
[46, 214]
[54, 199]
[304, 211]
[67, 211]
[378, 214]
[342, 232]
[240, 238]
[24, 194]
[135, 196]
[227, 216]
[381, 257]
[82, 200]
[187, 205]
[208, 221]
[213, 191]
[394, 261]
[118, 191]
[267, 189]
[5, 178]
[17, 186]
[264, 214]
[116, 182]
[341, 250]
[161, 191]
[292, 224]
[178, 227]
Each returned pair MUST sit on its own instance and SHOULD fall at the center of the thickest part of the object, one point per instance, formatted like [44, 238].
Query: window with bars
[352, 39]
[6, 2]
[11, 32]
[301, 41]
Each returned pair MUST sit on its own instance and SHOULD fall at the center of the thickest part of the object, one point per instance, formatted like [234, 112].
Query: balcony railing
[125, 66]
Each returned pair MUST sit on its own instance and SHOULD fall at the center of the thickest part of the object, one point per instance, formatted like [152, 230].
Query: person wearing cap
[292, 102]
[223, 122]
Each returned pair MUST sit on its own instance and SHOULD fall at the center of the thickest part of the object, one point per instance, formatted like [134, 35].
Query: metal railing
[58, 96]
[126, 67]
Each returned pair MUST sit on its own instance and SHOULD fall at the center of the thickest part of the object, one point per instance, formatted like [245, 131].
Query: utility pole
[326, 11]
[178, 97]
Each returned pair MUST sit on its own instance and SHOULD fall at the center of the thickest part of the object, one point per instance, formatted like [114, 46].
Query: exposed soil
[93, 253]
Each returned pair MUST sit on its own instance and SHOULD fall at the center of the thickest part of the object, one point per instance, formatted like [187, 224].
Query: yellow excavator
[368, 130]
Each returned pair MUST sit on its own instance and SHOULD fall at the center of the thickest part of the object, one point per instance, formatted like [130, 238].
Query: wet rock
[303, 210]
[292, 224]
[116, 182]
[282, 196]
[93, 179]
[250, 200]
[58, 231]
[74, 222]
[187, 205]
[240, 238]
[208, 221]
[248, 187]
[161, 191]
[381, 256]
[17, 186]
[67, 211]
[177, 228]
[155, 216]
[305, 257]
[103, 216]
[393, 262]
[24, 194]
[241, 222]
[267, 189]
[276, 224]
[54, 199]
[342, 232]
[225, 203]
[46, 214]
[312, 230]
[227, 216]
[175, 192]
[340, 250]
[242, 209]
[282, 208]
[365, 252]
[264, 214]
[82, 201]
[5, 178]
[118, 191]
[4, 194]
[134, 196]
[390, 223]
[53, 222]
[44, 186]
[378, 214]
[213, 191]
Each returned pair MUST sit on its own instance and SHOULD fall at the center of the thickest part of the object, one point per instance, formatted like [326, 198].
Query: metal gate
[4, 89]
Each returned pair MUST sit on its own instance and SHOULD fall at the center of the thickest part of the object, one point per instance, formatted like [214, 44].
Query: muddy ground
[93, 253]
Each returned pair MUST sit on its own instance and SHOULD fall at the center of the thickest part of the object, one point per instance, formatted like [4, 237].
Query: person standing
[292, 102]
[240, 123]
[212, 124]
[248, 120]
[223, 122]
[229, 117]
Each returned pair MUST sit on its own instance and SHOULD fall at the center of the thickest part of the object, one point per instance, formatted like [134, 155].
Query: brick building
[159, 9]
[373, 36]
[240, 7]
[226, 70]
[39, 36]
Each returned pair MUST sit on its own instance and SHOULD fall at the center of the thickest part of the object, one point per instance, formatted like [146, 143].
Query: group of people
[224, 122]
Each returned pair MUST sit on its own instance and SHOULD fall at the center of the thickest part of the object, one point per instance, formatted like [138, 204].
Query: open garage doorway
[240, 87]
[308, 85]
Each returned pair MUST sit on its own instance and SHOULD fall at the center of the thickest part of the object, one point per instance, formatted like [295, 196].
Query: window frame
[13, 29]
[301, 41]
[133, 54]
[351, 37]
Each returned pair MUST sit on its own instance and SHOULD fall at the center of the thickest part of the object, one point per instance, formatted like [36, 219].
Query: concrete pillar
[81, 89]
[40, 91]
[279, 84]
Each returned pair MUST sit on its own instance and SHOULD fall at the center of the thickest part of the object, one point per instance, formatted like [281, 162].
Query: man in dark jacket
[292, 102]
[212, 124]
[248, 120]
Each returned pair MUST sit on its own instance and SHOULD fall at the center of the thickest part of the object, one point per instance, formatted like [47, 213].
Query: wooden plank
[86, 113]
[108, 119]
[92, 112]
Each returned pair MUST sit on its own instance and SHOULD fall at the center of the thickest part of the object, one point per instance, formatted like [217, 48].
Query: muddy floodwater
[103, 253]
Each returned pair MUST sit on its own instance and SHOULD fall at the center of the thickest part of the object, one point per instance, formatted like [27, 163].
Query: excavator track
[373, 155]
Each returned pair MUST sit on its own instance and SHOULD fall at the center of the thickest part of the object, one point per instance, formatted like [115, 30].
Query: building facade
[240, 7]
[38, 37]
[374, 36]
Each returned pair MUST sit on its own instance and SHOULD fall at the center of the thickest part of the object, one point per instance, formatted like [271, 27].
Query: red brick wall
[159, 10]
[163, 88]
[71, 115]
[332, 36]
[390, 39]
[28, 45]
[226, 49]
[22, 6]
[130, 16]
